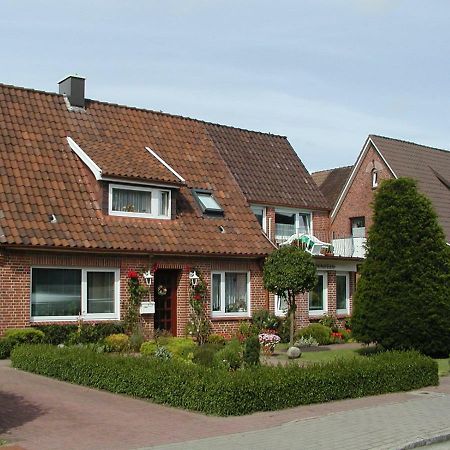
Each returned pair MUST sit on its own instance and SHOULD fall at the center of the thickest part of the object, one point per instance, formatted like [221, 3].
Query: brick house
[287, 204]
[92, 190]
[383, 158]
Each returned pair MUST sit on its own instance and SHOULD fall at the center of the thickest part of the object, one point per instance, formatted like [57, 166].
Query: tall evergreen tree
[402, 300]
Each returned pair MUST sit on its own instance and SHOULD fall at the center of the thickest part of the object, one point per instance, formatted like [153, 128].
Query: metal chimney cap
[72, 76]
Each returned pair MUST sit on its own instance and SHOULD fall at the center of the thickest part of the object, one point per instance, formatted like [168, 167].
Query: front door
[166, 300]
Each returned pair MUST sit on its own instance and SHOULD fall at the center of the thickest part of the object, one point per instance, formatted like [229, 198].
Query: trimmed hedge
[220, 392]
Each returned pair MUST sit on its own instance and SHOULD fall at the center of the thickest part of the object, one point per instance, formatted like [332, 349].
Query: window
[288, 223]
[230, 293]
[207, 202]
[281, 305]
[139, 201]
[260, 213]
[66, 294]
[358, 226]
[318, 297]
[374, 178]
[342, 293]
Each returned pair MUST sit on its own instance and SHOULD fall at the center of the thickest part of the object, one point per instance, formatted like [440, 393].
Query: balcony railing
[352, 247]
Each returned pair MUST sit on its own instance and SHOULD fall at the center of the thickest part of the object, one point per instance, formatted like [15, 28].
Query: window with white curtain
[137, 201]
[230, 293]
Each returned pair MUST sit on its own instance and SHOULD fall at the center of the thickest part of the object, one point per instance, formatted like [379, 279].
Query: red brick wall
[358, 200]
[321, 225]
[15, 282]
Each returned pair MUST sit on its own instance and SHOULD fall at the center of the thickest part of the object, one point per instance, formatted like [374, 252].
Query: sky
[324, 73]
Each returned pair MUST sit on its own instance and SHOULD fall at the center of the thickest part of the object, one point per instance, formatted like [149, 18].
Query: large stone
[293, 353]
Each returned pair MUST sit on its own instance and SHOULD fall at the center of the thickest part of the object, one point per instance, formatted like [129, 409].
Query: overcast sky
[325, 73]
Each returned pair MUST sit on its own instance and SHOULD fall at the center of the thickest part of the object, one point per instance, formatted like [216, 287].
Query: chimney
[73, 87]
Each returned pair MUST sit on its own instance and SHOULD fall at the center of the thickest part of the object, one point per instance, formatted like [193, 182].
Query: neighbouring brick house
[383, 158]
[91, 190]
[287, 203]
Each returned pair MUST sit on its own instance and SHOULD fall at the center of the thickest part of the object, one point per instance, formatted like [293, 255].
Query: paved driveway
[45, 414]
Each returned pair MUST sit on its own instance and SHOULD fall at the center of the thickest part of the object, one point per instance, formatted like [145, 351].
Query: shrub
[117, 342]
[162, 353]
[5, 348]
[136, 339]
[284, 328]
[230, 357]
[252, 350]
[320, 333]
[56, 334]
[148, 348]
[24, 336]
[216, 391]
[181, 347]
[262, 319]
[16, 336]
[204, 354]
[178, 347]
[306, 341]
[247, 329]
[91, 333]
[330, 321]
[216, 339]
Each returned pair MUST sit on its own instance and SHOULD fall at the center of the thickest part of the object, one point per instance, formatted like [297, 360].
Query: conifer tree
[402, 300]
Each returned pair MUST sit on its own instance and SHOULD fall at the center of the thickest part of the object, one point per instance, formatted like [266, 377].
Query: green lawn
[310, 357]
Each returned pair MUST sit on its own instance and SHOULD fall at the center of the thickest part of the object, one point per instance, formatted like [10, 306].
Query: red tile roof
[40, 175]
[267, 168]
[125, 161]
[332, 181]
[428, 165]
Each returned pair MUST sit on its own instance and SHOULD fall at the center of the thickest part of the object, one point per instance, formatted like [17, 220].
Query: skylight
[207, 202]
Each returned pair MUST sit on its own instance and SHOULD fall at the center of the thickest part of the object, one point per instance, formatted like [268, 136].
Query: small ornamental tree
[289, 271]
[402, 300]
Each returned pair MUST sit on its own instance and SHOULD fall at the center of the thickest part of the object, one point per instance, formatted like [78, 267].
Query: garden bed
[221, 392]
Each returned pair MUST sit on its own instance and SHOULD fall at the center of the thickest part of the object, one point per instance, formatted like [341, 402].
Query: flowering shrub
[268, 342]
[337, 336]
[137, 293]
[132, 274]
[199, 325]
[306, 341]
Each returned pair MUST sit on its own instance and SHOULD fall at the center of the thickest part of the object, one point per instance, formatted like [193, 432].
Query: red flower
[197, 297]
[132, 274]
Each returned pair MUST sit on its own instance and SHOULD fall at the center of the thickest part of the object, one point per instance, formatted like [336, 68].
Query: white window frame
[297, 221]
[347, 287]
[222, 312]
[321, 312]
[156, 202]
[84, 314]
[374, 178]
[279, 312]
[264, 216]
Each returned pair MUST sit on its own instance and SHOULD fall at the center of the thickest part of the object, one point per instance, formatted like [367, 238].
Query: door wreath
[161, 290]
